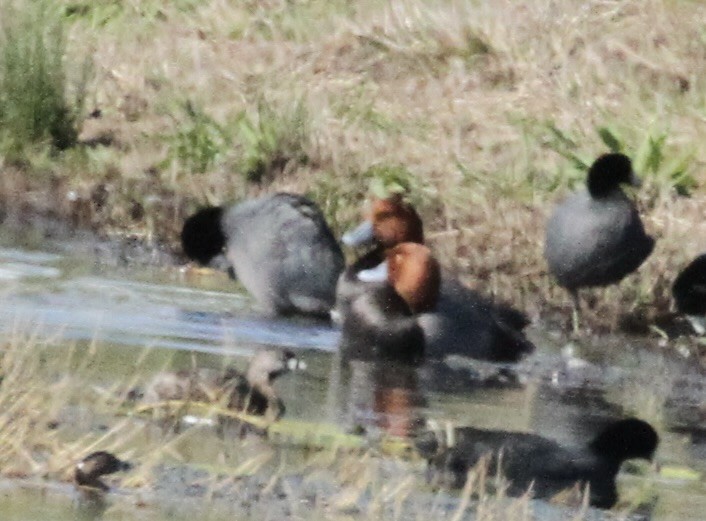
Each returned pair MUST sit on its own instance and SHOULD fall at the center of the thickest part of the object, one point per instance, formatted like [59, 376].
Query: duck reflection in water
[384, 398]
[383, 343]
[90, 504]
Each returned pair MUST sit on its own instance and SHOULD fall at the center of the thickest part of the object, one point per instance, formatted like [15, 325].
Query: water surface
[168, 317]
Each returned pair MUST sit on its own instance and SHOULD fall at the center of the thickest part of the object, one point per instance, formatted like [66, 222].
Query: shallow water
[163, 315]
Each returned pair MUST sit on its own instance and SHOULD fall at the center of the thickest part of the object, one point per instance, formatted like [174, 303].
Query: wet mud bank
[33, 229]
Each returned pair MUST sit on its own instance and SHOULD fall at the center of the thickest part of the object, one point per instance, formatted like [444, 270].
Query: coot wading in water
[278, 246]
[595, 237]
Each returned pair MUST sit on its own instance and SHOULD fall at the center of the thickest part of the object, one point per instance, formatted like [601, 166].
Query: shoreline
[635, 306]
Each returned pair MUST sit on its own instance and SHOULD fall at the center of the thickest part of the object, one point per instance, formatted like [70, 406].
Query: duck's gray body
[463, 322]
[595, 241]
[467, 324]
[284, 253]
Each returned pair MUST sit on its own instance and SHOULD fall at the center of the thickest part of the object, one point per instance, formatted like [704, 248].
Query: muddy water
[172, 318]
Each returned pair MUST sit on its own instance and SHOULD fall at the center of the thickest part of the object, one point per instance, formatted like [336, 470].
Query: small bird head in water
[269, 364]
[90, 469]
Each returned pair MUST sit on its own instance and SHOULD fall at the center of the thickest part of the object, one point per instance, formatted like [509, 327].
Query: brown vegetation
[482, 107]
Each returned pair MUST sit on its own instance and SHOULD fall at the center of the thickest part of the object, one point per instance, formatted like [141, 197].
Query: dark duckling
[279, 247]
[463, 322]
[252, 392]
[529, 460]
[381, 322]
[689, 292]
[90, 469]
[596, 237]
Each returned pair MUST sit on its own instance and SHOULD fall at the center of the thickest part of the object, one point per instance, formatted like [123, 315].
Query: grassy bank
[488, 110]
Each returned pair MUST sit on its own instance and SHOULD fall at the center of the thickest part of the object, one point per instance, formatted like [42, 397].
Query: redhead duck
[689, 292]
[90, 469]
[531, 461]
[252, 391]
[595, 237]
[462, 322]
[278, 246]
[390, 221]
[381, 322]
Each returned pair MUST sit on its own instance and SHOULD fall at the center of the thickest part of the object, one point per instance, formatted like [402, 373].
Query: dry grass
[467, 96]
[46, 400]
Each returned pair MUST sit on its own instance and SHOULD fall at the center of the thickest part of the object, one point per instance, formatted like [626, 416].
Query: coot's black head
[689, 289]
[202, 237]
[609, 171]
[626, 439]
